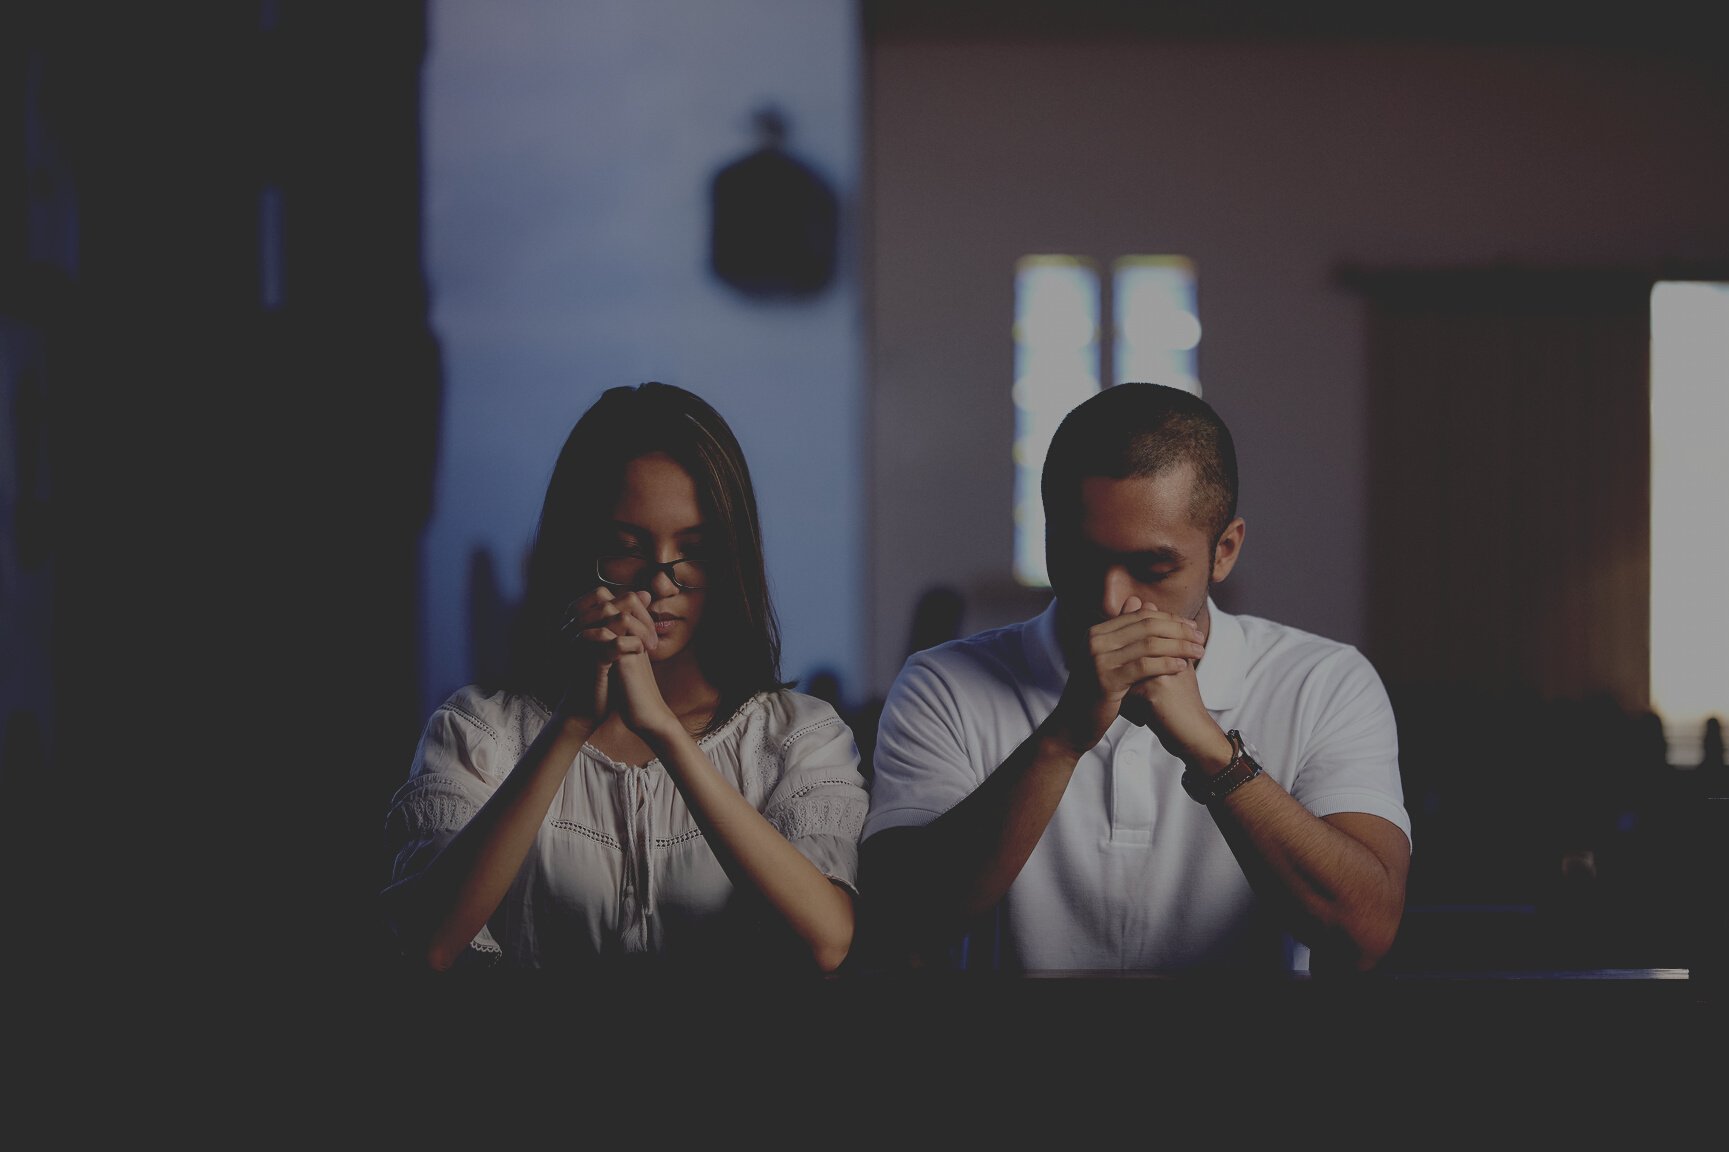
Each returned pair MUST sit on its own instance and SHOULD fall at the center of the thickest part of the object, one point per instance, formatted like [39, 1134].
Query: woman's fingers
[634, 617]
[602, 618]
[612, 645]
[636, 695]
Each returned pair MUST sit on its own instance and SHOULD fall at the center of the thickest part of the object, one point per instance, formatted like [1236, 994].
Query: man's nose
[1114, 589]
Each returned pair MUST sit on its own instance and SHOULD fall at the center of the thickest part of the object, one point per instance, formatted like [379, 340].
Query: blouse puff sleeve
[458, 764]
[819, 799]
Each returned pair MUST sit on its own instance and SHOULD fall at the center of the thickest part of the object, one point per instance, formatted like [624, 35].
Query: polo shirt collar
[1044, 653]
[1219, 675]
[1221, 671]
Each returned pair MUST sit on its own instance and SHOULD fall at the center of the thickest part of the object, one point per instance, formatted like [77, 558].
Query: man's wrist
[1059, 738]
[1220, 750]
[1241, 768]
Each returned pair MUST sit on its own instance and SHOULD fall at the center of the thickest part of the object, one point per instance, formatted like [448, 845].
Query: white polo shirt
[1132, 874]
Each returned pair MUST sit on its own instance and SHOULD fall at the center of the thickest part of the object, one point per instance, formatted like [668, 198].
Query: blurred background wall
[570, 152]
[1272, 150]
[299, 298]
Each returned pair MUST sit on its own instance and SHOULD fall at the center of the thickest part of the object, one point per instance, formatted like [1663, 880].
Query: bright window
[1063, 350]
[1689, 531]
[1056, 367]
[1153, 306]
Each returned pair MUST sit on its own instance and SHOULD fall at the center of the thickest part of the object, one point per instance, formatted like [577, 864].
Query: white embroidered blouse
[619, 867]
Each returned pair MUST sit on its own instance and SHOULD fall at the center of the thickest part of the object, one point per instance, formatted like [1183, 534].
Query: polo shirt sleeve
[921, 767]
[1350, 759]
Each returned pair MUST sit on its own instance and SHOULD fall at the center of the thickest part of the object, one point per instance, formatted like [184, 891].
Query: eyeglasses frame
[652, 568]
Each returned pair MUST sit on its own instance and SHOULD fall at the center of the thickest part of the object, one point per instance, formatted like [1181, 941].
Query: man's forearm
[1341, 881]
[961, 864]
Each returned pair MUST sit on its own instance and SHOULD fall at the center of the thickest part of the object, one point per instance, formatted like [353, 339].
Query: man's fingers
[1120, 647]
[1147, 667]
[1126, 627]
[1126, 676]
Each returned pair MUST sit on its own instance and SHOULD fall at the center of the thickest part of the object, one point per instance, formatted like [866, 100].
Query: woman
[644, 785]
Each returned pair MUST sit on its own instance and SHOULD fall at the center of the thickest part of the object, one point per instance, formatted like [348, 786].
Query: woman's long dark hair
[737, 643]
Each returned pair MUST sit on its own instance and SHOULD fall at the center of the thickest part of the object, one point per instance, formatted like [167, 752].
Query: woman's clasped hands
[612, 635]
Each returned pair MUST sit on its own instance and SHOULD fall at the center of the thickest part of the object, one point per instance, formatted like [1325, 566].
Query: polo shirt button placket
[1131, 788]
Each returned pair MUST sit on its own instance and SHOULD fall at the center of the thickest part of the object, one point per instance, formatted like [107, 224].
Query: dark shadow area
[937, 617]
[1552, 835]
[213, 233]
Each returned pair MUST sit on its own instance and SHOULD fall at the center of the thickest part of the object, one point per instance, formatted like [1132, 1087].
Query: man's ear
[1228, 548]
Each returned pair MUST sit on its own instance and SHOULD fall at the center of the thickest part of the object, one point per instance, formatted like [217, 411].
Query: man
[1134, 779]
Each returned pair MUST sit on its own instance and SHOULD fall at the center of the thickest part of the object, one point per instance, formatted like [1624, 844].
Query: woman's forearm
[448, 904]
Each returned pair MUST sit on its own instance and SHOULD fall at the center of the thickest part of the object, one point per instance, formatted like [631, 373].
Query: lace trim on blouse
[433, 804]
[822, 814]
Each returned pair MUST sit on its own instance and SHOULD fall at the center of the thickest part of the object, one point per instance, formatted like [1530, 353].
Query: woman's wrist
[572, 726]
[663, 735]
[568, 713]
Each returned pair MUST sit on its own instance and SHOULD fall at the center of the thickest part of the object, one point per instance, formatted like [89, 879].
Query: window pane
[1689, 533]
[1056, 367]
[1157, 327]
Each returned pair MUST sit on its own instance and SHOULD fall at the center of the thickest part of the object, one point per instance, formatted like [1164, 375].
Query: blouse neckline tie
[639, 848]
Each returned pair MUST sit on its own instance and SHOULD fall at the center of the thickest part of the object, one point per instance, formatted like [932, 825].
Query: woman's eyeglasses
[635, 572]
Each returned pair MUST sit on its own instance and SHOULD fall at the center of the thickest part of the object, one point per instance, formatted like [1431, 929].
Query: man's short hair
[1140, 429]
